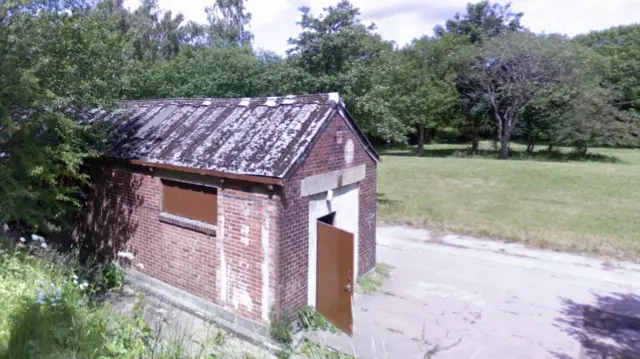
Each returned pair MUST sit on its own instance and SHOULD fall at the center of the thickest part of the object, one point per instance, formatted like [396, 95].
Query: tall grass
[49, 309]
[52, 306]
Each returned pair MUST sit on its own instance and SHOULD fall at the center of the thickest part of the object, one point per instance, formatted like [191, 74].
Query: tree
[507, 73]
[482, 21]
[154, 35]
[593, 120]
[342, 54]
[423, 91]
[228, 23]
[58, 59]
[621, 46]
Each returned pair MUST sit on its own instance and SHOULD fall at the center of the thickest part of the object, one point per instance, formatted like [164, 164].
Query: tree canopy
[479, 75]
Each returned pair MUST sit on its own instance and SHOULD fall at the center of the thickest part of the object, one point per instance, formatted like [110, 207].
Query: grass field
[562, 202]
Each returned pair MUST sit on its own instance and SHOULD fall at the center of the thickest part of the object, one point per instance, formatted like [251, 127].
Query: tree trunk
[550, 147]
[531, 143]
[420, 139]
[474, 144]
[504, 148]
[505, 136]
[475, 135]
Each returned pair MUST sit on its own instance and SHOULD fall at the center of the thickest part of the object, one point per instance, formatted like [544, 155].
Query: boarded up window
[190, 201]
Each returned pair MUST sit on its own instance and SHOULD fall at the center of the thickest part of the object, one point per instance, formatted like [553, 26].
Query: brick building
[254, 205]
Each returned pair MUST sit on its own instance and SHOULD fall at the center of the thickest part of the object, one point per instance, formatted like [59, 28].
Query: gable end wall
[325, 156]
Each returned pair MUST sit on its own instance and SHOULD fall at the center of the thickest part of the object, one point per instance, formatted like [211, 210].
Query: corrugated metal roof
[259, 137]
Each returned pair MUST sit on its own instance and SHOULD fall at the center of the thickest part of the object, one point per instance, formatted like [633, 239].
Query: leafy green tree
[621, 46]
[423, 92]
[343, 54]
[593, 120]
[58, 59]
[508, 73]
[154, 35]
[202, 72]
[482, 20]
[228, 23]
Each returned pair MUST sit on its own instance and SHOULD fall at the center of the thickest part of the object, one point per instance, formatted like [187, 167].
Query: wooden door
[334, 290]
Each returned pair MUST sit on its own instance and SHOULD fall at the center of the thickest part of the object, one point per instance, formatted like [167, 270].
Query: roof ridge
[329, 98]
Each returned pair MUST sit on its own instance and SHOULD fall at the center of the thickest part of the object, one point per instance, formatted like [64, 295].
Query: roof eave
[235, 176]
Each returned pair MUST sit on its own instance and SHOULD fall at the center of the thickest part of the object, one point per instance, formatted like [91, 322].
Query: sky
[274, 21]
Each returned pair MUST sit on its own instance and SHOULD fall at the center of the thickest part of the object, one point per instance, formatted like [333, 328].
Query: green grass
[317, 351]
[49, 310]
[560, 201]
[373, 281]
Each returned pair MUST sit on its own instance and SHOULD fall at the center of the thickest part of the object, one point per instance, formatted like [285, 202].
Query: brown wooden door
[334, 290]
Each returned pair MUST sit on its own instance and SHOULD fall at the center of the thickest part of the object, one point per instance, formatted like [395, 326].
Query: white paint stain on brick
[222, 273]
[241, 298]
[348, 152]
[244, 234]
[264, 237]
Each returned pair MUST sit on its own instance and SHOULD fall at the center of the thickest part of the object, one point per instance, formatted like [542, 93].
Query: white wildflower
[84, 285]
[43, 245]
[22, 240]
[5, 227]
[37, 238]
[41, 297]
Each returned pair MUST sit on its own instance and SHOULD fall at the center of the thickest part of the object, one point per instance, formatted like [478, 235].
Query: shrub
[311, 320]
[112, 277]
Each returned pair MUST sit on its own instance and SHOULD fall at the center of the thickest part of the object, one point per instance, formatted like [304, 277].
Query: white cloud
[274, 21]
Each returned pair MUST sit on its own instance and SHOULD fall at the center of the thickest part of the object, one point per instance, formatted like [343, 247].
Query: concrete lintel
[331, 180]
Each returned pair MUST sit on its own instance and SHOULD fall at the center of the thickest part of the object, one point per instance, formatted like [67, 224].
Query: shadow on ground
[545, 156]
[609, 329]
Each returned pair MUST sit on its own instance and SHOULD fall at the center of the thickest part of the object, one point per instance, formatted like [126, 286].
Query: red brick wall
[326, 156]
[225, 269]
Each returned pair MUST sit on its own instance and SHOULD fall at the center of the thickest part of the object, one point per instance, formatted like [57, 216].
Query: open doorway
[328, 219]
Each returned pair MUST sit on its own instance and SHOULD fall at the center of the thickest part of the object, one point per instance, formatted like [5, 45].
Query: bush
[50, 309]
[112, 277]
[46, 312]
[311, 320]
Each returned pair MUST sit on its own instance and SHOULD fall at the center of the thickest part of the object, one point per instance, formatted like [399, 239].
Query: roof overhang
[234, 176]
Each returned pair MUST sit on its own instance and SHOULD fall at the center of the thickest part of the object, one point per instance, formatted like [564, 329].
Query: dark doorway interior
[328, 219]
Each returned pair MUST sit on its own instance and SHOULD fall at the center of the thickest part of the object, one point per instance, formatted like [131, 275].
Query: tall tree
[342, 54]
[154, 35]
[329, 43]
[423, 92]
[483, 20]
[621, 46]
[506, 74]
[58, 59]
[229, 23]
